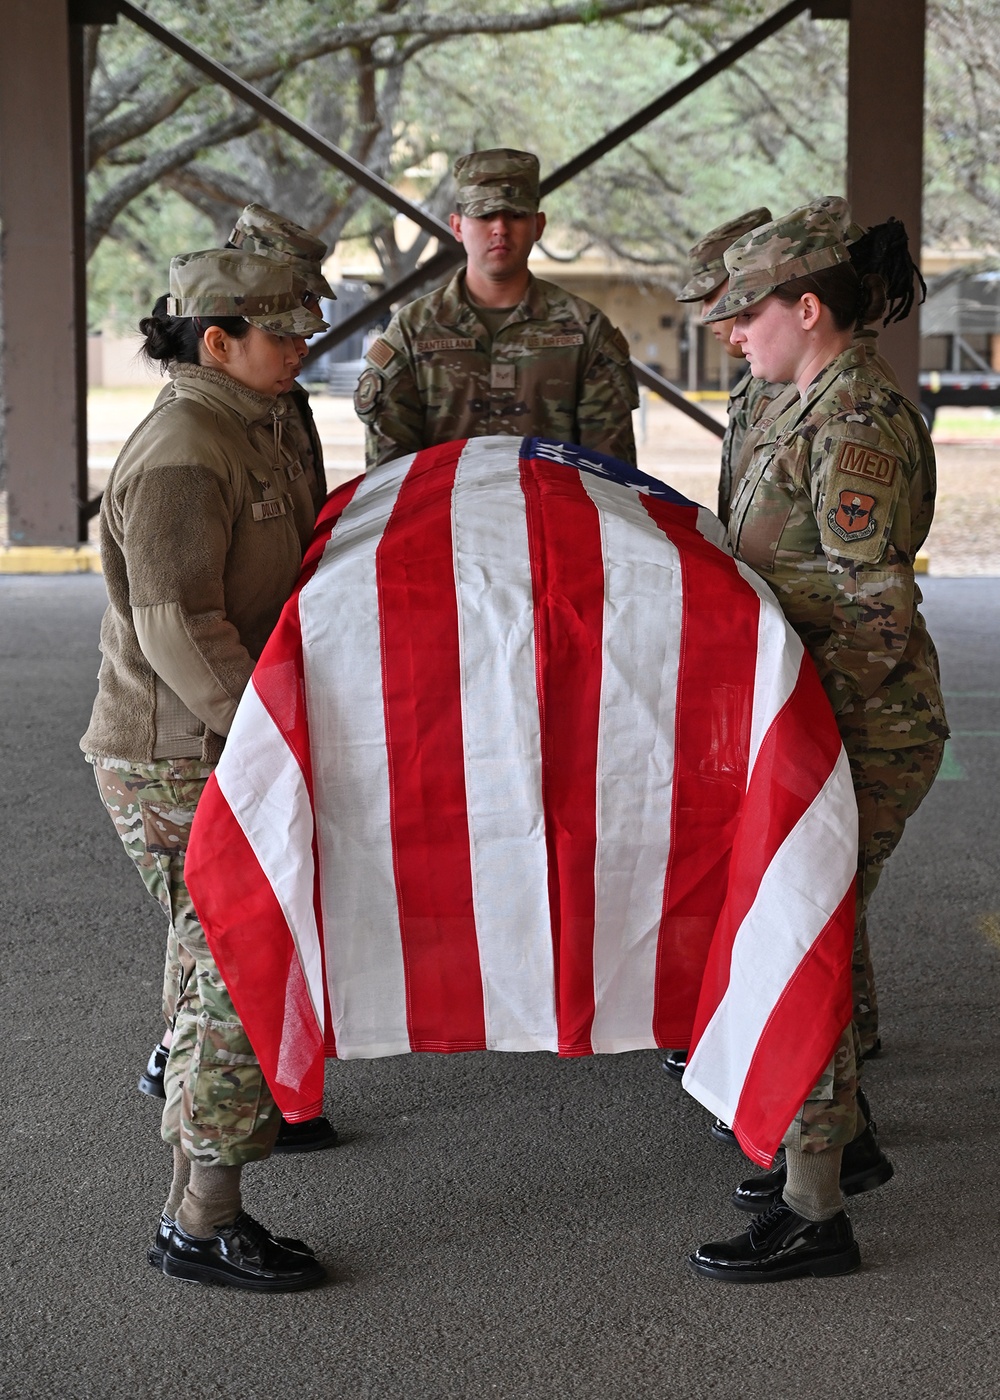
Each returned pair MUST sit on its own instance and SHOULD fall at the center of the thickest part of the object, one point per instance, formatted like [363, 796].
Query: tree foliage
[406, 85]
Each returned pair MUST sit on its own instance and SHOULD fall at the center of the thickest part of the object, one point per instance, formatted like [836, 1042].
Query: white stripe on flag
[792, 907]
[502, 748]
[779, 659]
[261, 780]
[343, 675]
[640, 655]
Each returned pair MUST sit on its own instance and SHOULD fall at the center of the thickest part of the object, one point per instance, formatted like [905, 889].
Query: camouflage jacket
[831, 511]
[748, 398]
[556, 367]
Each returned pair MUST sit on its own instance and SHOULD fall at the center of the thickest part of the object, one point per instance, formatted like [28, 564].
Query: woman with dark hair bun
[830, 511]
[203, 525]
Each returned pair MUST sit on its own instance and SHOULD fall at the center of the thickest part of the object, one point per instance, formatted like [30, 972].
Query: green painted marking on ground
[951, 770]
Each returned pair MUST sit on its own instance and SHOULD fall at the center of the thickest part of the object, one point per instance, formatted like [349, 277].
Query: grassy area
[967, 422]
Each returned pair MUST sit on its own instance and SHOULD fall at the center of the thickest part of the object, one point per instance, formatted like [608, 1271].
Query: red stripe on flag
[776, 1079]
[279, 680]
[255, 952]
[567, 570]
[795, 760]
[714, 708]
[418, 609]
[796, 757]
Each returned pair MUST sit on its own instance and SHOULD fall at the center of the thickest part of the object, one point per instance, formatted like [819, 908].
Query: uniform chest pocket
[759, 513]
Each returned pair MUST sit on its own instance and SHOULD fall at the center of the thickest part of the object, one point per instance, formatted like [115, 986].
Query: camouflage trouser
[828, 1118]
[219, 1110]
[890, 785]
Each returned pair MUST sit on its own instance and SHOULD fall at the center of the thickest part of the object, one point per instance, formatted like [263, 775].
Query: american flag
[531, 763]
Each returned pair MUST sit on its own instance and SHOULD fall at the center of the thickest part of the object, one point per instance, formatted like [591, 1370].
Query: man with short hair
[497, 350]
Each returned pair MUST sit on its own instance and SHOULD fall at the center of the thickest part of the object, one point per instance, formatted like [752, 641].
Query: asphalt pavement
[497, 1227]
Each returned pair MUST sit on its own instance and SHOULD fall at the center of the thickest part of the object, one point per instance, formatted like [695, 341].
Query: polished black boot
[240, 1255]
[781, 1245]
[863, 1167]
[151, 1079]
[314, 1135]
[675, 1062]
[163, 1230]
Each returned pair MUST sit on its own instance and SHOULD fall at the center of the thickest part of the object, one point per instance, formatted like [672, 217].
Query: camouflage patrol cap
[260, 230]
[839, 210]
[707, 268]
[229, 282]
[804, 241]
[490, 181]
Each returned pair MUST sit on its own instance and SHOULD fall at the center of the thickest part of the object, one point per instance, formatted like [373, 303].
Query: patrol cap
[804, 241]
[229, 282]
[490, 181]
[839, 209]
[706, 265]
[260, 230]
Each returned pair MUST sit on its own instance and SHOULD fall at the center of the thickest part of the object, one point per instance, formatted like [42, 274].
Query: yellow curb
[922, 564]
[49, 559]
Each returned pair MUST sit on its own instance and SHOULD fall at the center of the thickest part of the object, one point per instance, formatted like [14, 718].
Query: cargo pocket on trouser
[227, 1113]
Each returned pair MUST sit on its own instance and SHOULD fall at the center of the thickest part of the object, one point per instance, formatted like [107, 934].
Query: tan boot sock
[181, 1177]
[812, 1187]
[211, 1200]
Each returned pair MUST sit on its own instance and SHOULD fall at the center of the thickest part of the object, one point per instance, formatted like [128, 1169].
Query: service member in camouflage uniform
[707, 282]
[831, 510]
[260, 230]
[202, 536]
[497, 350]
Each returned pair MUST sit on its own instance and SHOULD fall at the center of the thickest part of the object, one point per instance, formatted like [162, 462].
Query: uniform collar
[213, 386]
[850, 358]
[455, 310]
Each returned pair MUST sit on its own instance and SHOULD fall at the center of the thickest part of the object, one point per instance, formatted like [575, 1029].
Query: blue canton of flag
[585, 459]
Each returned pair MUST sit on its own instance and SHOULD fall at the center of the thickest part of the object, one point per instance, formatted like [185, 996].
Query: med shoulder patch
[863, 460]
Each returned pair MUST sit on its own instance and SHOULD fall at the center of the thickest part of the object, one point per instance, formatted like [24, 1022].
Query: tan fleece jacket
[203, 524]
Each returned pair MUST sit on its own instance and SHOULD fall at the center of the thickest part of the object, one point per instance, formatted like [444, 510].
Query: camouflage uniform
[271, 235]
[218, 1107]
[749, 399]
[556, 366]
[831, 511]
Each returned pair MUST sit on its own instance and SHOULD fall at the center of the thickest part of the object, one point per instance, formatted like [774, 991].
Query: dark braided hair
[884, 251]
[169, 337]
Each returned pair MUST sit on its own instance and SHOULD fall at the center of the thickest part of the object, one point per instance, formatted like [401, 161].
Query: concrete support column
[45, 437]
[885, 139]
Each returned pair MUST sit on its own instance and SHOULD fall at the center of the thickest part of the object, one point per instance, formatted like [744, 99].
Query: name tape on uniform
[452, 342]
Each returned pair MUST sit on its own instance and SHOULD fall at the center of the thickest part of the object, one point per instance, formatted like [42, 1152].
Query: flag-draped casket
[530, 763]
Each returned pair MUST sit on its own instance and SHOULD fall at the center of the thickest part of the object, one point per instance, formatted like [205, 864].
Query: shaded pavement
[496, 1225]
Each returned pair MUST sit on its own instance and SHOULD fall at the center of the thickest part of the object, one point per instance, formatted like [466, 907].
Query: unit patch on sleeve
[861, 459]
[853, 517]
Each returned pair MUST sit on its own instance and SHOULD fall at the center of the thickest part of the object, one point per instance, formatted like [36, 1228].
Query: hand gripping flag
[530, 763]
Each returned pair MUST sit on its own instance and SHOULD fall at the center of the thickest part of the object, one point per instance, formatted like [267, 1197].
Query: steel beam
[332, 154]
[673, 396]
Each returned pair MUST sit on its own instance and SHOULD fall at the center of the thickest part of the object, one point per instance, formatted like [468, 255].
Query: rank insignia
[852, 517]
